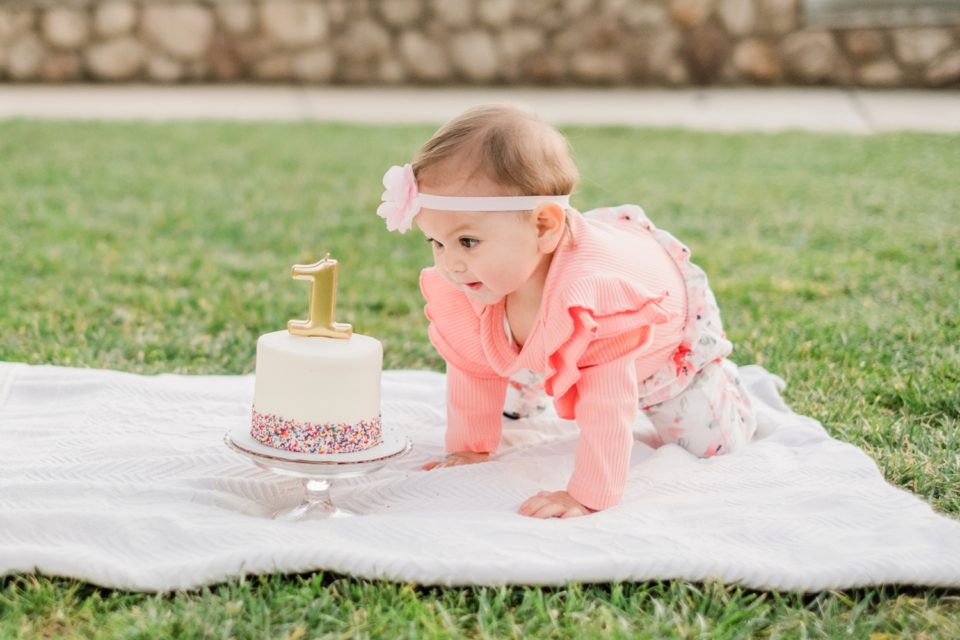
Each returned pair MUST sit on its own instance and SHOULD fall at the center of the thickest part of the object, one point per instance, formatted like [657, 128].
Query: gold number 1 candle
[323, 299]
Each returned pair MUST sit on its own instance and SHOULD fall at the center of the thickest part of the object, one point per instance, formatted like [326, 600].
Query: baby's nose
[454, 264]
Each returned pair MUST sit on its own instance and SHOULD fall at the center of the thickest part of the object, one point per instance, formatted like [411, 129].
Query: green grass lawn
[167, 248]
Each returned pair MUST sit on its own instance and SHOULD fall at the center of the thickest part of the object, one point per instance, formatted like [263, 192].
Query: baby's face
[487, 255]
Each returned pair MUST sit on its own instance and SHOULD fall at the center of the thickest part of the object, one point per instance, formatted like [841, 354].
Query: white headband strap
[402, 200]
[488, 203]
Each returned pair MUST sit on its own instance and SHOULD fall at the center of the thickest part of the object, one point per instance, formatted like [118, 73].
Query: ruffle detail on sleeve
[596, 308]
[454, 325]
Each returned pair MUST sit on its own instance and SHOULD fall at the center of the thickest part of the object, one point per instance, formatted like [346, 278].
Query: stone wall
[549, 42]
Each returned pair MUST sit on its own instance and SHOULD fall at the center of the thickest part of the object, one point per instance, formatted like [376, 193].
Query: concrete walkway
[747, 109]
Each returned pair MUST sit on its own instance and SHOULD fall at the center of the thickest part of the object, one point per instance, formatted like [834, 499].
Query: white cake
[317, 395]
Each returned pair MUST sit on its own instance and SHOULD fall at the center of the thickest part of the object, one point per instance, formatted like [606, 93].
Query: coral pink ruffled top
[611, 316]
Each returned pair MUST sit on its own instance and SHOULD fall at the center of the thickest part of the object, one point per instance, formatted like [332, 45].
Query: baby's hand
[558, 504]
[455, 459]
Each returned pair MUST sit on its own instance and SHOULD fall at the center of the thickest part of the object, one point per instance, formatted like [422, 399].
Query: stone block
[237, 18]
[777, 17]
[811, 56]
[364, 40]
[597, 33]
[276, 67]
[13, 22]
[738, 17]
[115, 59]
[864, 44]
[426, 59]
[496, 13]
[514, 45]
[756, 60]
[676, 74]
[475, 55]
[25, 57]
[66, 27]
[920, 46]
[401, 13]
[223, 59]
[112, 19]
[662, 50]
[881, 73]
[545, 67]
[691, 13]
[391, 71]
[61, 67]
[315, 65]
[944, 71]
[599, 67]
[181, 30]
[293, 23]
[453, 13]
[163, 68]
[645, 16]
[573, 9]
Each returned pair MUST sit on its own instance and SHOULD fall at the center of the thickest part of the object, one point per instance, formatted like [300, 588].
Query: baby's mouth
[473, 286]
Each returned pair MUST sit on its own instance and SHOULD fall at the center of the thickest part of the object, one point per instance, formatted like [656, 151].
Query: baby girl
[601, 310]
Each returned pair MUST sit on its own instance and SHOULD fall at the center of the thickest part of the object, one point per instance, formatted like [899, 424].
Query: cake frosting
[317, 395]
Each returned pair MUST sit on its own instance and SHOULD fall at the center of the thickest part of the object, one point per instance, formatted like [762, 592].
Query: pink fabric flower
[399, 205]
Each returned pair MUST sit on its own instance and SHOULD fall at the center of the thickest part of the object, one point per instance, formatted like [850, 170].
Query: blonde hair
[509, 146]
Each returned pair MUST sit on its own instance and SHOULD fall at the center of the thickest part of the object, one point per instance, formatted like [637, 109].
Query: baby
[601, 311]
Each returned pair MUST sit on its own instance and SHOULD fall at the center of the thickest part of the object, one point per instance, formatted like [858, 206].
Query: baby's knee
[703, 441]
[710, 418]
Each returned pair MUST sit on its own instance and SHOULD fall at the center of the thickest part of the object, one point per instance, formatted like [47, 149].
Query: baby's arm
[474, 417]
[605, 412]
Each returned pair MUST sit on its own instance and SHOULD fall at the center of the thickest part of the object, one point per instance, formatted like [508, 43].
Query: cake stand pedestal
[316, 500]
[316, 472]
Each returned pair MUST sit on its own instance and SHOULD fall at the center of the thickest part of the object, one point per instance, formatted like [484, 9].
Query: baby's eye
[466, 242]
[434, 243]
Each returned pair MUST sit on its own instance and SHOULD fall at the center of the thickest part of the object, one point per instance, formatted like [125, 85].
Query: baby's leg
[645, 432]
[526, 396]
[712, 416]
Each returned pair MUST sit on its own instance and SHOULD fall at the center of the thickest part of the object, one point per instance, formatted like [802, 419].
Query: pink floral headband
[402, 200]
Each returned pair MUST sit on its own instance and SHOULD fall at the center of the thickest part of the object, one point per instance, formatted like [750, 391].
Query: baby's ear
[551, 220]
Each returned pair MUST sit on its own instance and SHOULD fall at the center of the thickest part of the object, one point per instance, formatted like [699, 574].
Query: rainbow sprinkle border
[294, 435]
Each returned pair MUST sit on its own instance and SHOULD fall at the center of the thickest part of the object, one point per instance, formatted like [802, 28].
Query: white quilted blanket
[124, 481]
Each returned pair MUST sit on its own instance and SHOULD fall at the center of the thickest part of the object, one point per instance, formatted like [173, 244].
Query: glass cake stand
[317, 472]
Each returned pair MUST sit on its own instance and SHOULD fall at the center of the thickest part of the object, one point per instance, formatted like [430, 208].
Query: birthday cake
[317, 386]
